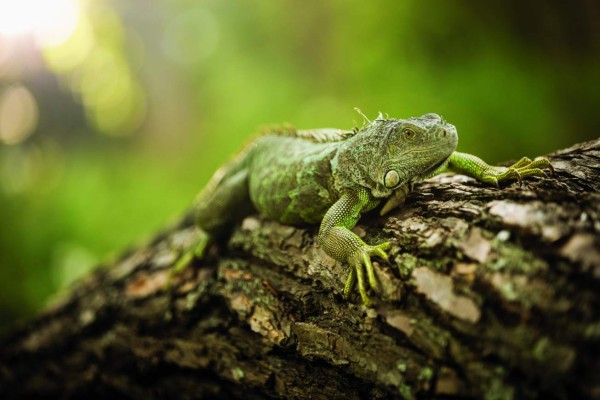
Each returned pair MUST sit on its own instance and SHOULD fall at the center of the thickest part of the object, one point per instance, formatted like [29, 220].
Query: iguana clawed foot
[187, 256]
[519, 170]
[362, 258]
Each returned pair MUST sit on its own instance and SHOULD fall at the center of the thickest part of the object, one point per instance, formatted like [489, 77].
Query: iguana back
[321, 135]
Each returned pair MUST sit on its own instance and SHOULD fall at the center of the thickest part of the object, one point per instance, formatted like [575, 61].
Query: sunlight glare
[18, 114]
[50, 22]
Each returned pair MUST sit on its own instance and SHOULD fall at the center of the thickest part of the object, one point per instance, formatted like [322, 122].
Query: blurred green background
[113, 114]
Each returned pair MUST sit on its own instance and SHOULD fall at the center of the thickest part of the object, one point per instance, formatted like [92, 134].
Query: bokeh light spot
[18, 114]
[71, 53]
[95, 66]
[191, 37]
[70, 262]
[122, 114]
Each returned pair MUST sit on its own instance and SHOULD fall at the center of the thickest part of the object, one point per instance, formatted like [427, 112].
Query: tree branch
[489, 294]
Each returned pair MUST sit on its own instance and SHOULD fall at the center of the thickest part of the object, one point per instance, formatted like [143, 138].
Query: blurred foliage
[108, 130]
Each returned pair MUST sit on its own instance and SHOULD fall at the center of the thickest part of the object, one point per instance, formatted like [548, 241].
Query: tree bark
[489, 293]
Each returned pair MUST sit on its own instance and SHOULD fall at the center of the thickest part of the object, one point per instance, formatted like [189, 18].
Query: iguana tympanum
[331, 177]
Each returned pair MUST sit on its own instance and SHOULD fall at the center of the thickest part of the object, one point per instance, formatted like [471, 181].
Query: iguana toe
[361, 261]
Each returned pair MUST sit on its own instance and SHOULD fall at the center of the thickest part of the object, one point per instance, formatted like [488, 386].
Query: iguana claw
[519, 170]
[357, 260]
[186, 257]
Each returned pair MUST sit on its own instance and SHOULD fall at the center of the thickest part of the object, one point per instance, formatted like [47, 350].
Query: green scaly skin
[332, 177]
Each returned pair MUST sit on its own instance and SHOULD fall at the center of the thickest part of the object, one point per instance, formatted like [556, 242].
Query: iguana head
[388, 153]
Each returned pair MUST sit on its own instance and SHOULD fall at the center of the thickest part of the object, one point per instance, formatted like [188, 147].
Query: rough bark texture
[489, 294]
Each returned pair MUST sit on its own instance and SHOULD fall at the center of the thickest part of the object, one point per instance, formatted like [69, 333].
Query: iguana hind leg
[223, 202]
[197, 251]
[186, 258]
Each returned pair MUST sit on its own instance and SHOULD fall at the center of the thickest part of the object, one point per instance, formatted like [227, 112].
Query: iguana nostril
[445, 133]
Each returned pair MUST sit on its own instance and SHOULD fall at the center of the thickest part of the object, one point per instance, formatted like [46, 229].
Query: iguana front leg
[475, 167]
[339, 242]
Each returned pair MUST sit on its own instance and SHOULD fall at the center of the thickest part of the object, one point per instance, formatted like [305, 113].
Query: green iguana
[331, 177]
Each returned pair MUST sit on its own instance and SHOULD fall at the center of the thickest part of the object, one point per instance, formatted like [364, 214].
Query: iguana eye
[409, 133]
[391, 179]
